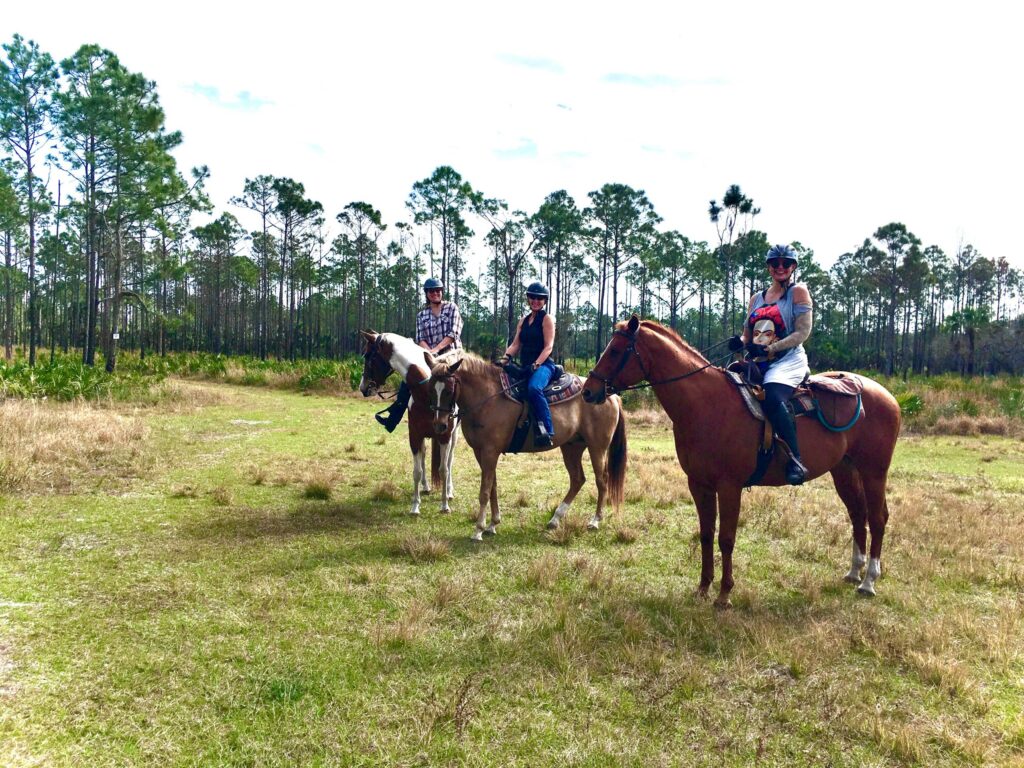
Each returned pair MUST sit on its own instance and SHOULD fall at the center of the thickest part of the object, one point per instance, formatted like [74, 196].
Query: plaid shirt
[433, 329]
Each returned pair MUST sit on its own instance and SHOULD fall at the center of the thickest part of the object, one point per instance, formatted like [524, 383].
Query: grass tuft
[420, 549]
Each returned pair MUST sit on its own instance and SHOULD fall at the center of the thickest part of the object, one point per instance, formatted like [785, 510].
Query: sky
[835, 118]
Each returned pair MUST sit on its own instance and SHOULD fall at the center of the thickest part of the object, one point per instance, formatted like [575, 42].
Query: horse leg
[847, 480]
[572, 457]
[707, 510]
[488, 463]
[878, 516]
[444, 469]
[599, 462]
[418, 470]
[492, 529]
[449, 463]
[729, 517]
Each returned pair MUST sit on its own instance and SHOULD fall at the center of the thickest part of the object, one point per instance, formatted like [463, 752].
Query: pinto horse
[716, 437]
[489, 420]
[387, 352]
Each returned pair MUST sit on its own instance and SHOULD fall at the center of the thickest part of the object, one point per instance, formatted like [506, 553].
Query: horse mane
[667, 334]
[479, 369]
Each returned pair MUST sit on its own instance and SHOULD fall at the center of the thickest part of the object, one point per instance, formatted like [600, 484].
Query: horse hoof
[490, 531]
[552, 524]
[478, 536]
[414, 513]
[701, 593]
[594, 525]
[866, 590]
[851, 578]
[723, 605]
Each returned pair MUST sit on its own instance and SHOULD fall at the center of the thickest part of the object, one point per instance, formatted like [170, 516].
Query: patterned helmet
[432, 283]
[781, 252]
[536, 290]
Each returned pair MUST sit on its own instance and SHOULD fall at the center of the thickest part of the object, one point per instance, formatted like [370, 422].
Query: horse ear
[369, 335]
[455, 366]
[634, 324]
[430, 359]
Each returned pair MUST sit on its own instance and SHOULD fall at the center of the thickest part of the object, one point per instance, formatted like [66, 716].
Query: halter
[373, 350]
[631, 349]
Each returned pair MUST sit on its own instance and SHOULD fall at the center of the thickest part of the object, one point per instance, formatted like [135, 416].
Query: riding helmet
[536, 291]
[432, 283]
[781, 252]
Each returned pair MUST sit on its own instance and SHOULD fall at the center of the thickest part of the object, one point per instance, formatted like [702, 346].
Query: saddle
[834, 397]
[563, 386]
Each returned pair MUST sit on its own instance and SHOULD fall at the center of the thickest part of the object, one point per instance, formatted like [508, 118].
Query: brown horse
[387, 352]
[716, 441]
[489, 420]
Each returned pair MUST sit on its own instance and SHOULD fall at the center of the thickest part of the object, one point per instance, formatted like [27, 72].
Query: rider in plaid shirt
[439, 324]
[438, 329]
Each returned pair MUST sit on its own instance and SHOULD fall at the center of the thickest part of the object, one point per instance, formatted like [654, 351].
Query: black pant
[775, 398]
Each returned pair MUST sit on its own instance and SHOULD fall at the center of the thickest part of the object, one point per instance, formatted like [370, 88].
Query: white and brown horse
[387, 352]
[489, 421]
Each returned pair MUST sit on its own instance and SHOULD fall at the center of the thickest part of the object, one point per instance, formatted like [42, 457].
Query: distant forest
[110, 257]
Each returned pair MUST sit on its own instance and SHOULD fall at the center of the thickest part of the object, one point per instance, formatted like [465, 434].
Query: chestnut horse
[716, 440]
[387, 352]
[489, 420]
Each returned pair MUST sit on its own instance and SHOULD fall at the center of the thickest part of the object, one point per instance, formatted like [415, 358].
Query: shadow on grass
[308, 517]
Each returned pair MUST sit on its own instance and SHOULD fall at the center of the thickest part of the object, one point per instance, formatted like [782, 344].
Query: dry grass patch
[221, 496]
[387, 491]
[423, 549]
[56, 447]
[568, 529]
[543, 573]
[318, 489]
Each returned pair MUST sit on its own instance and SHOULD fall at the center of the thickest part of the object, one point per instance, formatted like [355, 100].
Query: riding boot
[391, 416]
[542, 438]
[785, 428]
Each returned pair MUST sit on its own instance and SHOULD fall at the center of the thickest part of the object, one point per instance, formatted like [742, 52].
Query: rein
[631, 348]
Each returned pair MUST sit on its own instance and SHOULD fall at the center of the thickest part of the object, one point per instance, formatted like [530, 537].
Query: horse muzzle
[594, 397]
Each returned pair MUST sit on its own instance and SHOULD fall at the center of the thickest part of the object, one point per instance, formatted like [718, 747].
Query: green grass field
[176, 590]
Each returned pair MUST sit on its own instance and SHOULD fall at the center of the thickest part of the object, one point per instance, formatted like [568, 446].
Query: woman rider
[533, 341]
[778, 322]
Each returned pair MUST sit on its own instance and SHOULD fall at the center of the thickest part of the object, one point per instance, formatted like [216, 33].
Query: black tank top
[531, 339]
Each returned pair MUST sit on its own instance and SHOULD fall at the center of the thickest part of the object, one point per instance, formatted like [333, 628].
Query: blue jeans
[535, 394]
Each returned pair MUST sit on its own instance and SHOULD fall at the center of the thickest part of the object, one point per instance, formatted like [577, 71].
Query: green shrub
[911, 404]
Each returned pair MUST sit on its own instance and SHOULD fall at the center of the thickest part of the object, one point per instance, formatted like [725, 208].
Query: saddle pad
[837, 382]
[566, 386]
[802, 402]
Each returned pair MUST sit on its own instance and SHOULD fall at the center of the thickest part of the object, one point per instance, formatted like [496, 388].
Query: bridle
[373, 351]
[631, 351]
[451, 384]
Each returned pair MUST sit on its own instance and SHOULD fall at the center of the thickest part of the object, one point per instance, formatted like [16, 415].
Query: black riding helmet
[785, 252]
[536, 291]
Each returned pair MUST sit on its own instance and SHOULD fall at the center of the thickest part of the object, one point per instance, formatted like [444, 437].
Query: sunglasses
[776, 263]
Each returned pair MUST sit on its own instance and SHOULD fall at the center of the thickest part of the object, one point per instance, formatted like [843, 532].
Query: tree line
[109, 256]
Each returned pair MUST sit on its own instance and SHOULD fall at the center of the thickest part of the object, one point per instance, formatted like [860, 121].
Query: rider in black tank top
[531, 338]
[535, 350]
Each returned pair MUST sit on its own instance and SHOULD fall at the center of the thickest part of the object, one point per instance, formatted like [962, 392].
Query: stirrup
[542, 438]
[796, 472]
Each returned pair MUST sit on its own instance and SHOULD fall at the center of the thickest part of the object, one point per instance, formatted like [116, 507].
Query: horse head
[618, 367]
[376, 362]
[444, 391]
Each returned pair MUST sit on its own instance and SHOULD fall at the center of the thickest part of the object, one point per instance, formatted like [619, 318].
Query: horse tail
[435, 462]
[618, 453]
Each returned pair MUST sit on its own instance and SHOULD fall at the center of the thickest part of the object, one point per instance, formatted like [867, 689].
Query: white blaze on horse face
[764, 332]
